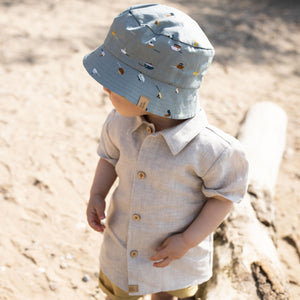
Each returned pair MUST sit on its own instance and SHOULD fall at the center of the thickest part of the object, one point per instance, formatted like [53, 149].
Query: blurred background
[51, 113]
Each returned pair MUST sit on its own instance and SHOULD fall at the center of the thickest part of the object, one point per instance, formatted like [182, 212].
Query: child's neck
[161, 123]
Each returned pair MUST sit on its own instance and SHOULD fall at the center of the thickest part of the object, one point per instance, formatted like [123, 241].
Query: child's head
[155, 56]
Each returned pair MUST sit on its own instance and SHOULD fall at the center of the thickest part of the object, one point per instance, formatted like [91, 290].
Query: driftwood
[263, 137]
[246, 264]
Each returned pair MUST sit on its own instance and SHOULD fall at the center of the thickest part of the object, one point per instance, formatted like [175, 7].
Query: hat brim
[157, 97]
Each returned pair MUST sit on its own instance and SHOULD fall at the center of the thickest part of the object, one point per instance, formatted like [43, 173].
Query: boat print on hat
[120, 70]
[141, 77]
[196, 73]
[168, 114]
[195, 43]
[95, 72]
[180, 66]
[170, 15]
[102, 53]
[148, 66]
[124, 51]
[159, 93]
[176, 47]
[150, 44]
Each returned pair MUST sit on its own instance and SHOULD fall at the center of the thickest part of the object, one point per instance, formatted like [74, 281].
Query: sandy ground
[51, 114]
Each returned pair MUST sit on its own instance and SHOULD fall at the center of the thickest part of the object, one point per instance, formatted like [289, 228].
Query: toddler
[178, 175]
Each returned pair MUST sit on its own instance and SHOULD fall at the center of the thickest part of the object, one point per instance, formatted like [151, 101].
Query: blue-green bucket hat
[155, 56]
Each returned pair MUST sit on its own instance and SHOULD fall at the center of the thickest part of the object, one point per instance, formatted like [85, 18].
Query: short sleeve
[107, 148]
[228, 176]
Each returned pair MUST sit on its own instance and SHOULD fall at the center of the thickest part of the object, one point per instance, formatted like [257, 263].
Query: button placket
[133, 242]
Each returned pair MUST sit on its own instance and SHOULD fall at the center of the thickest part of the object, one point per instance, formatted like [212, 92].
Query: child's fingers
[163, 263]
[95, 222]
[161, 254]
[95, 213]
[98, 227]
[100, 213]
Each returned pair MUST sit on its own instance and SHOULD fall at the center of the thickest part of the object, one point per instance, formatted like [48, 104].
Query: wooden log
[246, 264]
[263, 136]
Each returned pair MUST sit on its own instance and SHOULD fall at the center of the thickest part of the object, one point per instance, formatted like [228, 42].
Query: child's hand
[95, 212]
[174, 247]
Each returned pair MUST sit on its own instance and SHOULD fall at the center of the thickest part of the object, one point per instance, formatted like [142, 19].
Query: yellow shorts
[115, 293]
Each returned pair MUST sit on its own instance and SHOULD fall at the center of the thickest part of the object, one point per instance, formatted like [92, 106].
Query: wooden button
[149, 130]
[133, 253]
[136, 217]
[141, 175]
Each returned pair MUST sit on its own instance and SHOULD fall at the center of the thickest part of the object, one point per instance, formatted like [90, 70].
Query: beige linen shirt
[164, 180]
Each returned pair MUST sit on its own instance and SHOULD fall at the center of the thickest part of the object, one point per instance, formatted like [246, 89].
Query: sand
[51, 114]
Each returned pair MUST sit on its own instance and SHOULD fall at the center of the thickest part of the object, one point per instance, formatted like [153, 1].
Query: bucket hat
[155, 56]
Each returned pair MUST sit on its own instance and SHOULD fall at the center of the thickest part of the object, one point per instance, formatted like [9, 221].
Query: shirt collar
[179, 136]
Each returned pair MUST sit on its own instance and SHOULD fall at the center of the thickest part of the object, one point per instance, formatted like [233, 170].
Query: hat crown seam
[164, 35]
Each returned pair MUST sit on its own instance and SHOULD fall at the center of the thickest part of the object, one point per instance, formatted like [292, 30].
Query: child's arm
[210, 217]
[104, 178]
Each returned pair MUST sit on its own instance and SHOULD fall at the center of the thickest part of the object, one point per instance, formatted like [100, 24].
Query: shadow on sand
[241, 25]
